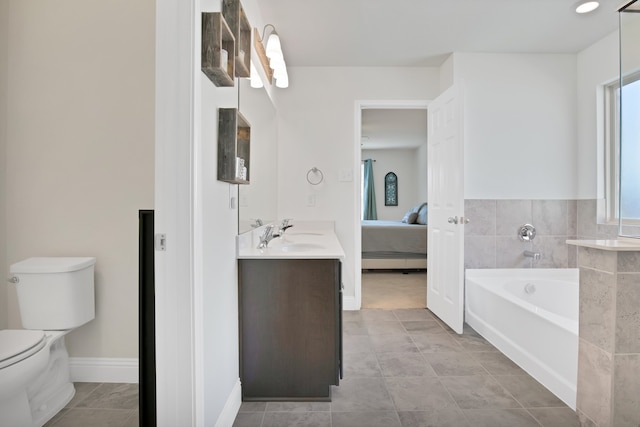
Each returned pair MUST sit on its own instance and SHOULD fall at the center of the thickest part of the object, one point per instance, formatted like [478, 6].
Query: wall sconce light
[271, 56]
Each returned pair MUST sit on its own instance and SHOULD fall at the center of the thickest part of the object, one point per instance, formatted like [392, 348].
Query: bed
[396, 244]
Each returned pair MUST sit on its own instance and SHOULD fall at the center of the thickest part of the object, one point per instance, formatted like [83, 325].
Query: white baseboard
[349, 303]
[103, 370]
[231, 407]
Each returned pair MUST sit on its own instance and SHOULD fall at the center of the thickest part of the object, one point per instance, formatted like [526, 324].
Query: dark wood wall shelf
[290, 328]
[235, 16]
[234, 140]
[217, 38]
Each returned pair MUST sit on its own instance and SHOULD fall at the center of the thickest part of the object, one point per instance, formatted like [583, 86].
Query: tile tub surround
[491, 240]
[404, 368]
[609, 343]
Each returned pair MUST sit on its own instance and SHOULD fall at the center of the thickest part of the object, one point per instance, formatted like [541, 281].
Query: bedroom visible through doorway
[393, 143]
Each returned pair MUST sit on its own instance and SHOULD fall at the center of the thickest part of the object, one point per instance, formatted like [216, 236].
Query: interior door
[445, 245]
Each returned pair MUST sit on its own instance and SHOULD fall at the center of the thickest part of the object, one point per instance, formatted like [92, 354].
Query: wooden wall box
[234, 140]
[216, 37]
[235, 16]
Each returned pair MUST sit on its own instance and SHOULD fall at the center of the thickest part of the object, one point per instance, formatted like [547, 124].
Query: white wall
[404, 163]
[216, 243]
[596, 66]
[520, 125]
[4, 26]
[316, 127]
[80, 144]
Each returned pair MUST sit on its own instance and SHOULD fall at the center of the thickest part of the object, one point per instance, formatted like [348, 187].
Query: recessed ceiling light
[586, 6]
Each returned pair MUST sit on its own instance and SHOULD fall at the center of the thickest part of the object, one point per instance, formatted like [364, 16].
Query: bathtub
[530, 315]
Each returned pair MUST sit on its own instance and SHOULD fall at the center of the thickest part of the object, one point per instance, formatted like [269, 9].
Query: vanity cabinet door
[289, 328]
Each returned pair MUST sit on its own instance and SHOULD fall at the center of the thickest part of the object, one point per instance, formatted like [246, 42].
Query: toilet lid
[16, 345]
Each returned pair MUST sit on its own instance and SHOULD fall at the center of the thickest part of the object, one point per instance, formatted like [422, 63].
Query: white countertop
[305, 240]
[620, 244]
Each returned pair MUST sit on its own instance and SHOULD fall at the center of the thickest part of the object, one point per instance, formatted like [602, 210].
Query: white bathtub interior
[530, 315]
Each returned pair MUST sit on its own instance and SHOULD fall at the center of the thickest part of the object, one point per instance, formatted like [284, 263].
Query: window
[623, 150]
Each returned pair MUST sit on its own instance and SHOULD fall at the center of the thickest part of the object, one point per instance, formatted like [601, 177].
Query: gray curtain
[369, 197]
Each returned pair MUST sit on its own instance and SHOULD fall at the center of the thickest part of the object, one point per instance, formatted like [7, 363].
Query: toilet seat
[17, 345]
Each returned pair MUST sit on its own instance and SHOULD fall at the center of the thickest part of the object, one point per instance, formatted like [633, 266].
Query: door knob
[452, 220]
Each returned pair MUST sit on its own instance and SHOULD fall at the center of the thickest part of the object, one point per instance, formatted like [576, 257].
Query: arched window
[391, 189]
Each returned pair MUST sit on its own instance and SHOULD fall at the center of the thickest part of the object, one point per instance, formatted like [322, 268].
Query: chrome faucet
[534, 255]
[267, 236]
[284, 225]
[257, 224]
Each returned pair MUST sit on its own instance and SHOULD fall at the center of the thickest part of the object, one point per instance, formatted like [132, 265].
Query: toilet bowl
[55, 295]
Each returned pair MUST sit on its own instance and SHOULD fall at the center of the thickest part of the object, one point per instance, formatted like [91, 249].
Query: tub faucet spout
[534, 255]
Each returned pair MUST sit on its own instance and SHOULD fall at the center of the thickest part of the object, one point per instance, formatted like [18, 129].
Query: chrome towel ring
[315, 176]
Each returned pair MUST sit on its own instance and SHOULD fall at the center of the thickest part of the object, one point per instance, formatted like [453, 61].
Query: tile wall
[491, 239]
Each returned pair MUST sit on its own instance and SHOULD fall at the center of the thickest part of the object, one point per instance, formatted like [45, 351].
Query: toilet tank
[55, 293]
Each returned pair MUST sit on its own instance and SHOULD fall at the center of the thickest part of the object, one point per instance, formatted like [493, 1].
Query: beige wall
[4, 9]
[80, 150]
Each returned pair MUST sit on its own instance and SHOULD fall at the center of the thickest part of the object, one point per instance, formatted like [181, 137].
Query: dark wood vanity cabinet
[290, 328]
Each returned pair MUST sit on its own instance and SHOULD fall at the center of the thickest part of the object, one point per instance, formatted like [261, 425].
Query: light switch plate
[346, 175]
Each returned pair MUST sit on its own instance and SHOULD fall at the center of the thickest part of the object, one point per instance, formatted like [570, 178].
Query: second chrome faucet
[531, 254]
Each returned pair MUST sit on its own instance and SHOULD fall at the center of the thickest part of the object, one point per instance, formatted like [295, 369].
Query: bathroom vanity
[290, 309]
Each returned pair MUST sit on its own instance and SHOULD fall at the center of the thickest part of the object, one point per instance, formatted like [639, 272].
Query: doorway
[388, 133]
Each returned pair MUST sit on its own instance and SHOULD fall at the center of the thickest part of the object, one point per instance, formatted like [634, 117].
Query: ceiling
[384, 129]
[415, 33]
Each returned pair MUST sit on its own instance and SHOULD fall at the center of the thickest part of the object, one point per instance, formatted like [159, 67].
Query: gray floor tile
[404, 365]
[393, 343]
[439, 418]
[133, 420]
[354, 328]
[384, 327]
[56, 417]
[253, 406]
[352, 316]
[500, 418]
[432, 343]
[497, 363]
[454, 363]
[413, 314]
[371, 315]
[94, 417]
[298, 406]
[480, 391]
[418, 394]
[423, 326]
[296, 419]
[82, 391]
[529, 392]
[248, 419]
[361, 394]
[357, 344]
[556, 417]
[361, 365]
[472, 342]
[365, 419]
[111, 396]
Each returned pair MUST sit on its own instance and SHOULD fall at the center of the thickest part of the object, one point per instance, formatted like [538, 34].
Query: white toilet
[55, 295]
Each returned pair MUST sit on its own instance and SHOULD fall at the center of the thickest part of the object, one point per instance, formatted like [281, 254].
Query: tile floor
[100, 405]
[393, 289]
[404, 368]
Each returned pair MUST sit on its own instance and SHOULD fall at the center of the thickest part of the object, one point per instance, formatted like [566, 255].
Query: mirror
[629, 154]
[257, 201]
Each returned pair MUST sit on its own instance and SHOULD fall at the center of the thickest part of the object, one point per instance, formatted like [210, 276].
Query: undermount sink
[300, 247]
